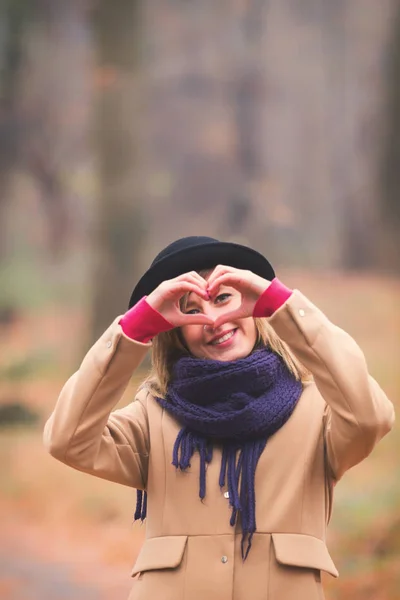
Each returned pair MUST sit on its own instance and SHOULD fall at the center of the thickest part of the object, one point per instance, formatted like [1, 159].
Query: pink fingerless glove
[274, 296]
[142, 322]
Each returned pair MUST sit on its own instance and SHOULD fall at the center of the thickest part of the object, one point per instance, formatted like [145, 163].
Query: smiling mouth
[223, 338]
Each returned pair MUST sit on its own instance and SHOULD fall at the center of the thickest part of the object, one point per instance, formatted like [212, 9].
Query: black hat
[194, 254]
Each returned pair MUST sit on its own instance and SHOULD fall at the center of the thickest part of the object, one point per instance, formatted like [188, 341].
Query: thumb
[233, 314]
[197, 320]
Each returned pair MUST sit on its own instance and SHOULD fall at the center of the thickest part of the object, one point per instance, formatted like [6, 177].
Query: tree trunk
[352, 195]
[246, 97]
[13, 20]
[119, 228]
[390, 173]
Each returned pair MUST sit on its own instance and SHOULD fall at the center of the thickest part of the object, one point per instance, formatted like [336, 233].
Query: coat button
[302, 312]
[224, 559]
[226, 495]
[108, 344]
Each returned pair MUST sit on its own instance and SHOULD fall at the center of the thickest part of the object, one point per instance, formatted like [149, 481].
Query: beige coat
[191, 552]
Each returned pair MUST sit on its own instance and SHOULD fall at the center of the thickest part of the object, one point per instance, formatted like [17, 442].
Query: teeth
[223, 338]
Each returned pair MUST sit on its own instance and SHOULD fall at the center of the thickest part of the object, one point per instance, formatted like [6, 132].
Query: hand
[250, 285]
[166, 299]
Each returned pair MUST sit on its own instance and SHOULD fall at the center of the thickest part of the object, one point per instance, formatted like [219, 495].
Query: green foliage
[390, 166]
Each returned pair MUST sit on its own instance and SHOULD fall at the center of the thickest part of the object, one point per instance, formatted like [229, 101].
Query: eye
[222, 298]
[192, 311]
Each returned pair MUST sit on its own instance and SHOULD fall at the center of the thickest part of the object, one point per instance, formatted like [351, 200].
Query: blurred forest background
[127, 124]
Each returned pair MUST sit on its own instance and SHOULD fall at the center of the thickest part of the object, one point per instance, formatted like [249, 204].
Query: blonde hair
[169, 346]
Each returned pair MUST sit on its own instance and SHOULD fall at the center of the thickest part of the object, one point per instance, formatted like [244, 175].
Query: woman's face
[230, 341]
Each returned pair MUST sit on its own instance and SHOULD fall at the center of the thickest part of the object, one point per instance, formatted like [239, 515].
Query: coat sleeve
[358, 413]
[83, 434]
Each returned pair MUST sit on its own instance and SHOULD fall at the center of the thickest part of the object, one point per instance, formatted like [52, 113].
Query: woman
[256, 406]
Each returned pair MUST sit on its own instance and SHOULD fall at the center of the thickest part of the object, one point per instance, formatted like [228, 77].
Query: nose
[212, 311]
[210, 328]
[209, 311]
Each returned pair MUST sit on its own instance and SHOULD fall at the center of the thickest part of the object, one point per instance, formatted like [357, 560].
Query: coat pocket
[158, 570]
[296, 564]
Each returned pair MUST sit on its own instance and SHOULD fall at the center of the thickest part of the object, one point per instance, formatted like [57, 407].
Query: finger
[236, 280]
[193, 276]
[218, 271]
[180, 288]
[198, 281]
[229, 316]
[198, 319]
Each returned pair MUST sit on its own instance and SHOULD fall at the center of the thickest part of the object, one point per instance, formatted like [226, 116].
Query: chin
[231, 356]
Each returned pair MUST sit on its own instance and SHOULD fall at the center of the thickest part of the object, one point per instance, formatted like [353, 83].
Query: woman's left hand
[250, 286]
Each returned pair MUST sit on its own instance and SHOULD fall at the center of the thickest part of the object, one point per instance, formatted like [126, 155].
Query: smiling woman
[252, 390]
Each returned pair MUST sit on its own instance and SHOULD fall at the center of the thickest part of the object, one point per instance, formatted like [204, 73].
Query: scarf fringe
[141, 506]
[238, 466]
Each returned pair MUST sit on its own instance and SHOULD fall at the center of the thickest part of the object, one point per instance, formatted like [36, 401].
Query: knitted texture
[238, 405]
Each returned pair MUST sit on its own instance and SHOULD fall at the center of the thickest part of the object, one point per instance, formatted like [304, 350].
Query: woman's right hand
[166, 299]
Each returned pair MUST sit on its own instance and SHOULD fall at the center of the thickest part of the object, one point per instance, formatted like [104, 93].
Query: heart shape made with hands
[248, 284]
[166, 298]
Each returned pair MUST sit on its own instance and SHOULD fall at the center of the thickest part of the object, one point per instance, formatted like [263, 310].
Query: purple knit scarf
[239, 405]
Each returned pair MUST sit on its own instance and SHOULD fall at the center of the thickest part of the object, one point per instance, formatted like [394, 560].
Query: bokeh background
[127, 124]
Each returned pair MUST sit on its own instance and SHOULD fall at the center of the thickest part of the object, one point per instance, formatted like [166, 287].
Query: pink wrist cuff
[274, 296]
[142, 322]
